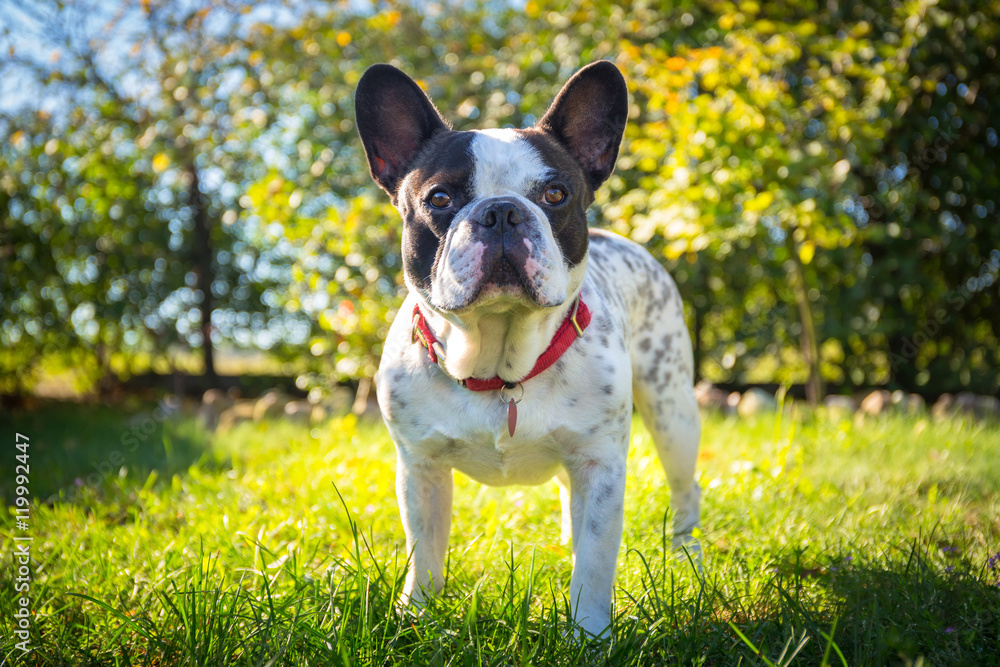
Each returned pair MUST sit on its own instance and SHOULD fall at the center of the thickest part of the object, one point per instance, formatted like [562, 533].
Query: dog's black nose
[501, 212]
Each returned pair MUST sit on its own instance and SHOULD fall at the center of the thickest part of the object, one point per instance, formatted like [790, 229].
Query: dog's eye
[554, 196]
[439, 199]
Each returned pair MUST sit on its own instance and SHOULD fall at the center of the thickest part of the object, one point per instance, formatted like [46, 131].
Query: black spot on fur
[604, 492]
[451, 447]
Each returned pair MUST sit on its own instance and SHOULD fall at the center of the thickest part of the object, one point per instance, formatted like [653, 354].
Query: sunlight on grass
[280, 541]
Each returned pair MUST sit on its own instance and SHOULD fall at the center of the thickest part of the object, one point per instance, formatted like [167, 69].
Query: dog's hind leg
[663, 393]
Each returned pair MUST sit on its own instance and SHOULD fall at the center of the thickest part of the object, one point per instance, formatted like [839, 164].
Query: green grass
[838, 542]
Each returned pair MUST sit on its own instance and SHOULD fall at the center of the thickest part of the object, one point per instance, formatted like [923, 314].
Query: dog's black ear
[395, 119]
[588, 117]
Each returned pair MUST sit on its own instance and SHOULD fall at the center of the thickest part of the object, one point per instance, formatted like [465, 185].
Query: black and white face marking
[492, 217]
[505, 222]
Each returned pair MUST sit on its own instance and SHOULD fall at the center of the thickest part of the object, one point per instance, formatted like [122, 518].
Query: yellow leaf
[387, 19]
[760, 202]
[343, 39]
[673, 103]
[676, 64]
[806, 252]
[160, 162]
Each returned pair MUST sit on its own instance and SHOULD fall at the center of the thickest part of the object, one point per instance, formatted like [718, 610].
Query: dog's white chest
[564, 415]
[477, 441]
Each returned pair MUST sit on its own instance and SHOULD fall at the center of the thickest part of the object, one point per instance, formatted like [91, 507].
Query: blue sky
[34, 35]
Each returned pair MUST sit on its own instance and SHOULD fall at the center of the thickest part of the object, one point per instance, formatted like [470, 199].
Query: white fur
[505, 164]
[461, 270]
[573, 420]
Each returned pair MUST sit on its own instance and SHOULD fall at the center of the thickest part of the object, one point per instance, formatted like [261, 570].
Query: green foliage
[933, 243]
[819, 178]
[279, 541]
[102, 203]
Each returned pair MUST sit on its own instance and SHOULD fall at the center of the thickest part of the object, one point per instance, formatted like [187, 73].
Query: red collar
[572, 328]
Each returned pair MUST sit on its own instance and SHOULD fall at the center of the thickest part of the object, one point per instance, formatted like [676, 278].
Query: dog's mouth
[502, 285]
[501, 281]
[505, 276]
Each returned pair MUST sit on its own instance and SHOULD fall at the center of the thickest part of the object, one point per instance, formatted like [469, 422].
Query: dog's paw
[591, 646]
[687, 549]
[411, 602]
[592, 627]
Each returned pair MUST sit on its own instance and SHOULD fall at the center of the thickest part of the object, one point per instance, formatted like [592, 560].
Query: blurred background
[184, 202]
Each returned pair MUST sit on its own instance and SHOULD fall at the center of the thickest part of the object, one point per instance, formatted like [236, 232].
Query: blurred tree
[114, 200]
[67, 287]
[750, 144]
[929, 205]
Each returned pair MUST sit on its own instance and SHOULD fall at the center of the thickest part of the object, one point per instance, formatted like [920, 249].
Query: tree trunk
[808, 338]
[360, 406]
[202, 256]
[699, 283]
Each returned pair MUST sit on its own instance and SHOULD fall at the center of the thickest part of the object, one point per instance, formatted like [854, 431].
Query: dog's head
[492, 218]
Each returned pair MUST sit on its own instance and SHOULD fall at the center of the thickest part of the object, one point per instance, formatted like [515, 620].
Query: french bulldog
[526, 337]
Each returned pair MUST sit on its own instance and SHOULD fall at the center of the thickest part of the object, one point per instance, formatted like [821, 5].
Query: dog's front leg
[424, 494]
[597, 502]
